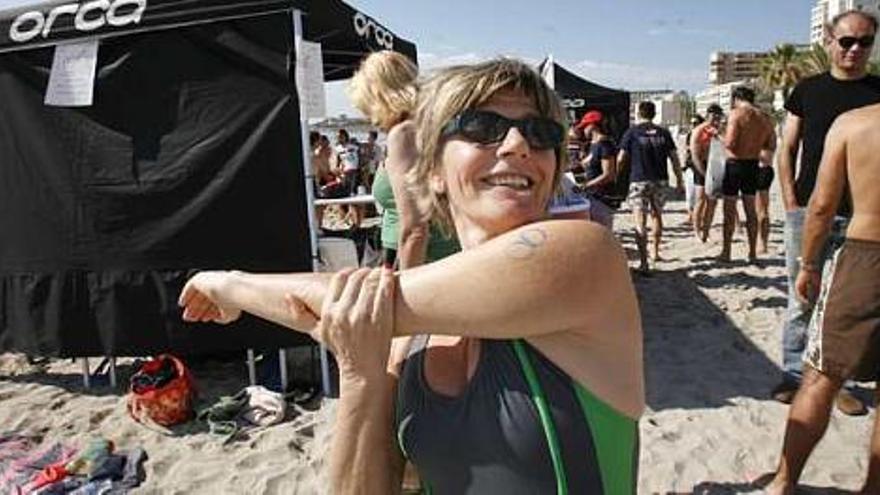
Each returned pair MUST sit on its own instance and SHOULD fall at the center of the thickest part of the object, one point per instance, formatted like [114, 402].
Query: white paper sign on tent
[72, 80]
[310, 79]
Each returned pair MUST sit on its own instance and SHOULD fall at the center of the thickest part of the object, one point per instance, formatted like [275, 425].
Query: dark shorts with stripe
[844, 332]
[740, 176]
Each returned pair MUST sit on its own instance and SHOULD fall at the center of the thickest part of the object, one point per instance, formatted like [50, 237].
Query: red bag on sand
[162, 392]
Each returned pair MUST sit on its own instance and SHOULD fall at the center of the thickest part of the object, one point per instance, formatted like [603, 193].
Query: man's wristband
[807, 266]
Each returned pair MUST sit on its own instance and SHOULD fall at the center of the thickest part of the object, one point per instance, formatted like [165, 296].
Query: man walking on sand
[648, 147]
[845, 328]
[812, 106]
[749, 132]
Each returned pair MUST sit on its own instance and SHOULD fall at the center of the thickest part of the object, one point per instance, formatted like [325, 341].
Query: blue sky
[630, 44]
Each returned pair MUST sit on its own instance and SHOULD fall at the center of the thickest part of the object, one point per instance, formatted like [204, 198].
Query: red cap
[591, 117]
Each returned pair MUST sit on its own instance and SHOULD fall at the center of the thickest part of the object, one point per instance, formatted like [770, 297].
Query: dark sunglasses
[485, 127]
[847, 42]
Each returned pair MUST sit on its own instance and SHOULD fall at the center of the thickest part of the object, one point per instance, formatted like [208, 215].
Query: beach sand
[712, 346]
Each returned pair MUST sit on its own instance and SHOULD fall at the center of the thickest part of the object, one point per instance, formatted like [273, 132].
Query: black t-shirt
[648, 146]
[818, 100]
[599, 151]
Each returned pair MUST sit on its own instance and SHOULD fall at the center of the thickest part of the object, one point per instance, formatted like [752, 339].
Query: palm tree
[815, 61]
[782, 69]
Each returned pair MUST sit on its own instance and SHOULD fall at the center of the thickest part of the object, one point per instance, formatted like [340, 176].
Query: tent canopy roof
[568, 84]
[345, 33]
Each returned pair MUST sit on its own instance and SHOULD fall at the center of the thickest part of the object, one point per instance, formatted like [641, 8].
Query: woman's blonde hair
[455, 89]
[384, 88]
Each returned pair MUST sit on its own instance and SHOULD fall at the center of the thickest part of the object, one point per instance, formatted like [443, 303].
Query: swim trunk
[844, 332]
[647, 195]
[740, 176]
[765, 178]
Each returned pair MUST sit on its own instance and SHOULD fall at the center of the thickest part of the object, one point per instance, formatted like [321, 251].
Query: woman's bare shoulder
[402, 133]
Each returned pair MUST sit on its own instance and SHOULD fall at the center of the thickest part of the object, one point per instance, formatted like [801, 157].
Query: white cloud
[634, 77]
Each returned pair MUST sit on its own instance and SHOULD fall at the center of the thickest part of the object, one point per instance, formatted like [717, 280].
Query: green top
[439, 246]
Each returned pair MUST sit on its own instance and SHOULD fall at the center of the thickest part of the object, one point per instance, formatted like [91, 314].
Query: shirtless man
[701, 136]
[845, 327]
[749, 132]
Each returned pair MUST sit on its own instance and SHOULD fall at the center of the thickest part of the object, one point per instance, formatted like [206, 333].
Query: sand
[712, 335]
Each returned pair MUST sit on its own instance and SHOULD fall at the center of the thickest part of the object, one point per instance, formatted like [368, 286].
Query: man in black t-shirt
[812, 107]
[648, 146]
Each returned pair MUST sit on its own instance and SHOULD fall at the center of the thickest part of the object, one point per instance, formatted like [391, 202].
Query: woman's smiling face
[493, 188]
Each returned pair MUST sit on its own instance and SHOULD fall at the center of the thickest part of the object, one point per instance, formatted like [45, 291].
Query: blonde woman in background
[384, 89]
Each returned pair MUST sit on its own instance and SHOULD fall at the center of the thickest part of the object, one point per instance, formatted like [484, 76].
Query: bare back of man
[863, 171]
[750, 132]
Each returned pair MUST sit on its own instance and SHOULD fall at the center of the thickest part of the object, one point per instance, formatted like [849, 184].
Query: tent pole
[282, 362]
[85, 372]
[252, 367]
[113, 372]
[310, 181]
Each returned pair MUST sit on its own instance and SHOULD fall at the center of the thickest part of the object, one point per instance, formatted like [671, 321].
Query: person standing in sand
[647, 147]
[845, 328]
[527, 382]
[812, 107]
[700, 139]
[749, 133]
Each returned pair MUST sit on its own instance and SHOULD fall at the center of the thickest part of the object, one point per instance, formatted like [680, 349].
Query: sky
[628, 44]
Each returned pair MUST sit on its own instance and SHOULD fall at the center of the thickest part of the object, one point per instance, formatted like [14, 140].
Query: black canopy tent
[580, 96]
[189, 158]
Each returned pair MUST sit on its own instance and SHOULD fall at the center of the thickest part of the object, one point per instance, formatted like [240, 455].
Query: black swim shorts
[740, 176]
[765, 178]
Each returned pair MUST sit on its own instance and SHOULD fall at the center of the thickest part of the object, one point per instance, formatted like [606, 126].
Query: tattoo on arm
[527, 243]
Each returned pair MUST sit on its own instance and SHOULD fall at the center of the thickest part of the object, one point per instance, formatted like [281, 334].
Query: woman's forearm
[529, 281]
[362, 455]
[413, 245]
[263, 294]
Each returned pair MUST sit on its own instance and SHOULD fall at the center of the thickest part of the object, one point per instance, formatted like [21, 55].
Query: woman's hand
[201, 298]
[357, 322]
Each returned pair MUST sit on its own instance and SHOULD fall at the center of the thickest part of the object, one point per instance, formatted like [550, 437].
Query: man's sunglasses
[847, 42]
[485, 127]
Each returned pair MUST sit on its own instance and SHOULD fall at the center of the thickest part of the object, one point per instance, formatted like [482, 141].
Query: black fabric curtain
[188, 160]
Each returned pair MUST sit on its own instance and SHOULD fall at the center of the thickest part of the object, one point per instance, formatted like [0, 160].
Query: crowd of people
[478, 352]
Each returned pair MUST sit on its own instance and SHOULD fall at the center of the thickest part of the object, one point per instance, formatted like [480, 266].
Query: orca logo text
[87, 16]
[363, 25]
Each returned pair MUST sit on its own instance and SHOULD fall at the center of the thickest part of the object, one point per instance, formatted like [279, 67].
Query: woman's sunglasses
[485, 127]
[847, 42]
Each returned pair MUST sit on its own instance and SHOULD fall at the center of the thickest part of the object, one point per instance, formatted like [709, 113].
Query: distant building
[721, 95]
[355, 126]
[728, 67]
[674, 108]
[825, 10]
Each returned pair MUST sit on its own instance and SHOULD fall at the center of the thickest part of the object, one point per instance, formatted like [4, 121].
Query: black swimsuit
[493, 438]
